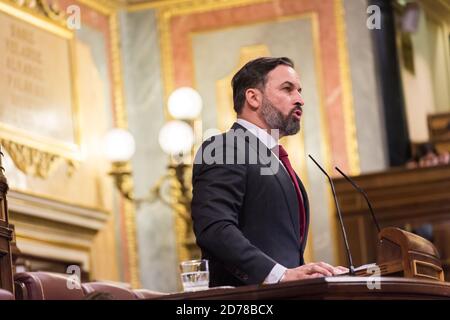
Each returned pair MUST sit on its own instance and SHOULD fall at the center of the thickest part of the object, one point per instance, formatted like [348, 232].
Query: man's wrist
[275, 274]
[282, 276]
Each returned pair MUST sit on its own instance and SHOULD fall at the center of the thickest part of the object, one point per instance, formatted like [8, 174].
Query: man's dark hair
[254, 75]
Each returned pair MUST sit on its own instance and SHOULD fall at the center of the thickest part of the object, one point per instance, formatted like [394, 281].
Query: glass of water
[194, 275]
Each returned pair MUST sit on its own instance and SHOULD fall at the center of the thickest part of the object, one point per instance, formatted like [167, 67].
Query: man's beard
[287, 126]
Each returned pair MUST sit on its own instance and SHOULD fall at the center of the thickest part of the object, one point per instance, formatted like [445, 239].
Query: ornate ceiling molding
[42, 7]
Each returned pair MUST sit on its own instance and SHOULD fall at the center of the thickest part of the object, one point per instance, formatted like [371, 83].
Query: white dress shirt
[270, 142]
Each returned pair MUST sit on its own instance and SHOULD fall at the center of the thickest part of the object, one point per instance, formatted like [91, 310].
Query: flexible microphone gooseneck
[349, 255]
[360, 190]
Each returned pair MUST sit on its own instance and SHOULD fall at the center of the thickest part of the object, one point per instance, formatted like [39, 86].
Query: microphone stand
[350, 260]
[360, 190]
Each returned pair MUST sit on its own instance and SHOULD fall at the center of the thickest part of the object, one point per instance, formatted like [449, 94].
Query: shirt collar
[269, 141]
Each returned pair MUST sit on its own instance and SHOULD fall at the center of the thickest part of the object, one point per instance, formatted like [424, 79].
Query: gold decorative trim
[62, 149]
[164, 14]
[190, 6]
[105, 7]
[347, 94]
[200, 6]
[163, 20]
[132, 247]
[39, 16]
[121, 119]
[41, 8]
[110, 9]
[34, 162]
[155, 4]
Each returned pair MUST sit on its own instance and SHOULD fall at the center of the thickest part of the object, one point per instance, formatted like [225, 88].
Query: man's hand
[312, 270]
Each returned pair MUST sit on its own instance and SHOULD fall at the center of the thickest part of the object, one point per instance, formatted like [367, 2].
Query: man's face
[282, 100]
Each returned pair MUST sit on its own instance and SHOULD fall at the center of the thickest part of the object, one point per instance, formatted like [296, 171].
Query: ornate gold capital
[41, 7]
[33, 161]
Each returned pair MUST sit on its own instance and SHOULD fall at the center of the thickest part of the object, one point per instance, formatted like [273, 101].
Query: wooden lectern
[408, 268]
[408, 255]
[329, 288]
[404, 254]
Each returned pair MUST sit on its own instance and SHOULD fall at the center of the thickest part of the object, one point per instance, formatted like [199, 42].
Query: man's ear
[253, 97]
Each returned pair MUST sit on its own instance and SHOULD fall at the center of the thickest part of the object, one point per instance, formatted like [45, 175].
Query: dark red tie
[283, 155]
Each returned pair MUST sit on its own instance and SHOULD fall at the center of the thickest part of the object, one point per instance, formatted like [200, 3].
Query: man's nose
[299, 99]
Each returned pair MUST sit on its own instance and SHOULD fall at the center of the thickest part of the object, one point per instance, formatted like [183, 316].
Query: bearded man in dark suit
[249, 208]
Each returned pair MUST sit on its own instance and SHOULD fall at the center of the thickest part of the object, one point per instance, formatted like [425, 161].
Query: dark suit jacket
[245, 209]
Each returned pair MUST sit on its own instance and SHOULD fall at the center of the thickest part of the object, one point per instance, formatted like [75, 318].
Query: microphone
[360, 190]
[349, 255]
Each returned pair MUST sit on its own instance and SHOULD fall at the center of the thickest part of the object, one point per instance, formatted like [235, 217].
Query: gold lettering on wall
[24, 70]
[24, 73]
[36, 86]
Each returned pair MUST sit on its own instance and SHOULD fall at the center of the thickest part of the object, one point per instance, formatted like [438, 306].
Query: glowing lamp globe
[119, 145]
[176, 137]
[185, 104]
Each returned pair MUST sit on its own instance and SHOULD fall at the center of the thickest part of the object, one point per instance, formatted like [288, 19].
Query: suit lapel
[284, 181]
